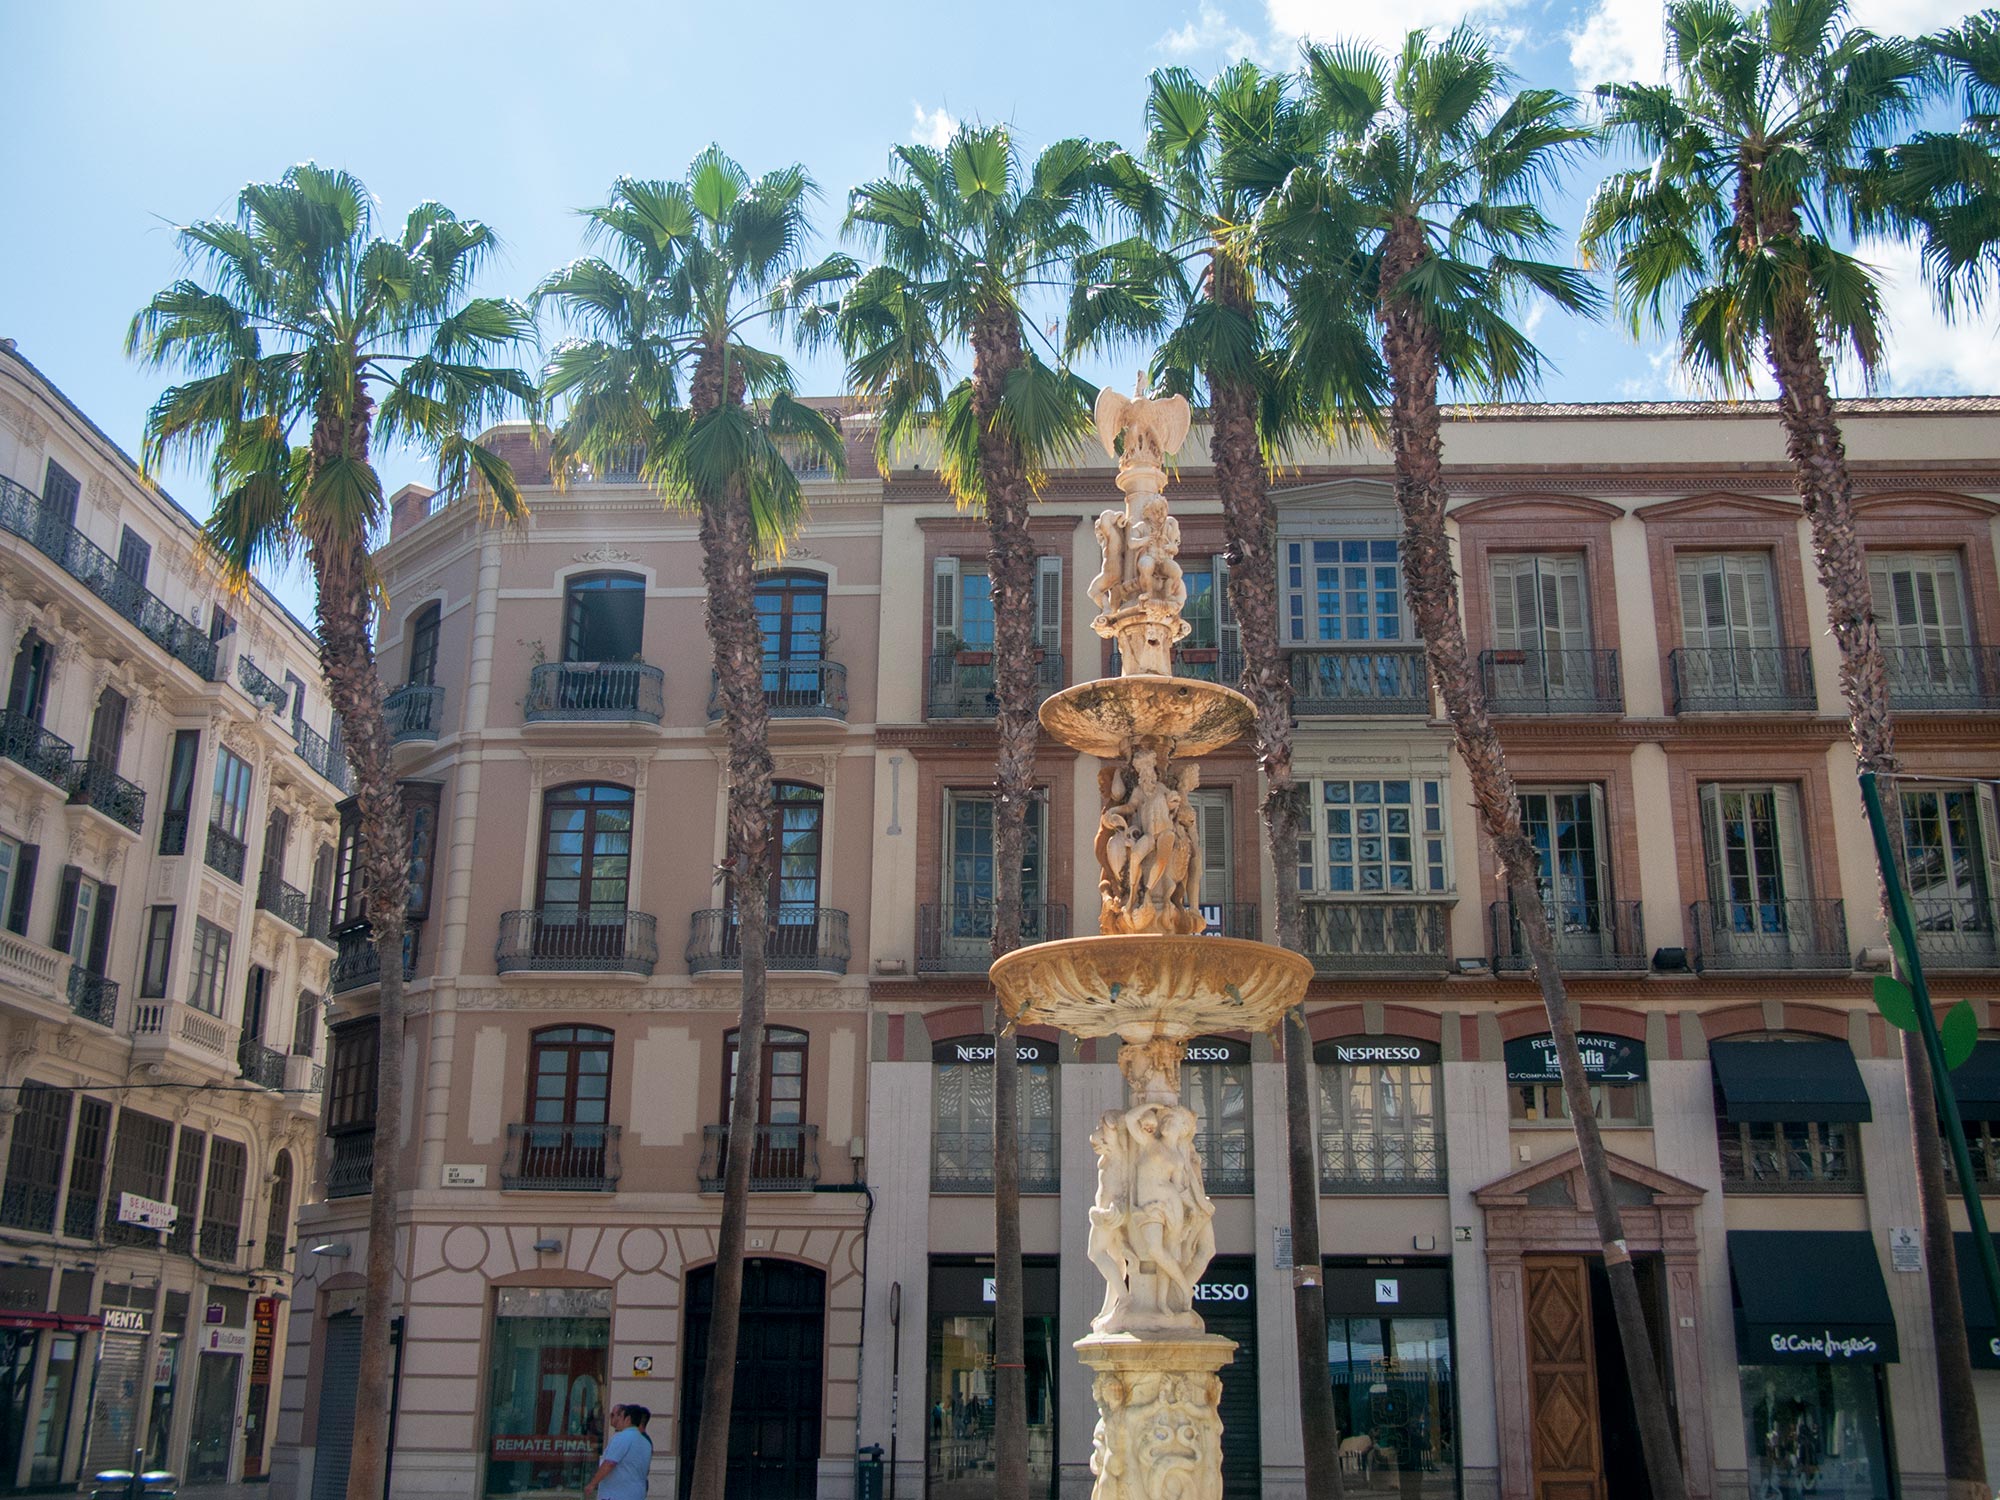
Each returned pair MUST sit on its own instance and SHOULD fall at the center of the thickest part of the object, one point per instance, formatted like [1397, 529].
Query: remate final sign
[1606, 1059]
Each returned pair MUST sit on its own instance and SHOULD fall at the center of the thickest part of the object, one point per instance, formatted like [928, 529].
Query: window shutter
[1600, 843]
[1882, 597]
[23, 902]
[1572, 617]
[1507, 581]
[944, 603]
[1227, 635]
[1989, 845]
[66, 893]
[1694, 603]
[1758, 623]
[100, 929]
[1048, 603]
[1950, 603]
[1712, 848]
[1216, 884]
[1794, 884]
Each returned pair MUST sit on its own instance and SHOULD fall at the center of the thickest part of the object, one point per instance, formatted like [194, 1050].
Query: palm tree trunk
[728, 565]
[1411, 346]
[1251, 525]
[1819, 468]
[1011, 560]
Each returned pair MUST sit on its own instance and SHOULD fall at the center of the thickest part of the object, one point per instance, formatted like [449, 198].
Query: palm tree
[1195, 276]
[306, 340]
[966, 236]
[1436, 160]
[660, 367]
[1757, 148]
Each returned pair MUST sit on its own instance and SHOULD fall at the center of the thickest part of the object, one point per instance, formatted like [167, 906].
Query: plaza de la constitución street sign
[1606, 1059]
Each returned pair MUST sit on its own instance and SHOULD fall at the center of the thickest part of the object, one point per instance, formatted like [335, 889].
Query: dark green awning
[1976, 1081]
[1982, 1329]
[1809, 1297]
[1766, 1081]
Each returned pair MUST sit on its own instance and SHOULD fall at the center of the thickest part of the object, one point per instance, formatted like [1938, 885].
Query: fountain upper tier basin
[1145, 985]
[1107, 717]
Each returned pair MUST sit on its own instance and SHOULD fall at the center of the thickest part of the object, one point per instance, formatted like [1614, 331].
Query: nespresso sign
[1606, 1059]
[979, 1049]
[1376, 1051]
[1216, 1049]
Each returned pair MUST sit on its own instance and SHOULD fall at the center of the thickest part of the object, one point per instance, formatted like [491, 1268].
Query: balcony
[561, 1159]
[225, 853]
[1808, 1158]
[1202, 663]
[785, 1158]
[96, 786]
[261, 1065]
[962, 1161]
[317, 751]
[21, 512]
[1377, 937]
[959, 939]
[220, 1242]
[350, 1169]
[1591, 937]
[794, 690]
[1774, 935]
[305, 1078]
[26, 743]
[1237, 919]
[413, 712]
[285, 902]
[1343, 681]
[1943, 679]
[540, 941]
[595, 692]
[1742, 680]
[1956, 932]
[93, 997]
[162, 1027]
[1368, 1162]
[28, 966]
[961, 684]
[801, 939]
[1225, 1162]
[258, 684]
[1551, 682]
[356, 964]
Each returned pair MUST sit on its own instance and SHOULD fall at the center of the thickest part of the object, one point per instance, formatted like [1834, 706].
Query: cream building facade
[165, 798]
[1638, 585]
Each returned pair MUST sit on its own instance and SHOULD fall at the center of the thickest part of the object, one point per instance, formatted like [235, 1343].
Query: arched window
[791, 613]
[795, 850]
[564, 1142]
[781, 1093]
[785, 1157]
[278, 1223]
[28, 691]
[586, 866]
[604, 617]
[962, 1115]
[1215, 1084]
[424, 646]
[1381, 1125]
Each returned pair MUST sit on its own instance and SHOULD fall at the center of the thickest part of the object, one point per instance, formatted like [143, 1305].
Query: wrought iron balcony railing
[1770, 935]
[414, 711]
[22, 513]
[1808, 1157]
[26, 743]
[1237, 919]
[285, 902]
[317, 751]
[225, 852]
[801, 938]
[1931, 679]
[794, 690]
[255, 681]
[173, 832]
[1590, 936]
[962, 683]
[1225, 1162]
[629, 691]
[92, 996]
[561, 1159]
[357, 964]
[350, 1170]
[261, 1065]
[96, 786]
[784, 1159]
[220, 1241]
[1956, 932]
[1370, 1161]
[1358, 936]
[962, 1161]
[1339, 681]
[1203, 663]
[1741, 679]
[959, 939]
[566, 941]
[29, 1205]
[1551, 682]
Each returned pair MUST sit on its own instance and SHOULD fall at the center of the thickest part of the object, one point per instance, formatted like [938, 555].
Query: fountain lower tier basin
[1141, 986]
[1107, 717]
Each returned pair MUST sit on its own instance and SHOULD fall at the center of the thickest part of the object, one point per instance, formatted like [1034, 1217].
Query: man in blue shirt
[628, 1457]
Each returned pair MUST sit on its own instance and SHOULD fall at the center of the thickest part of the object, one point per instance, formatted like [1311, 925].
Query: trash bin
[868, 1473]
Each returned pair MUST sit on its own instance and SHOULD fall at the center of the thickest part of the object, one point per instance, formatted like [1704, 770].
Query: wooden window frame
[545, 1042]
[776, 1039]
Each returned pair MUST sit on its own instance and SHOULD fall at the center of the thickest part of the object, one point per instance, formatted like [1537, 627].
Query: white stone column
[894, 1377]
[1281, 1437]
[1476, 1152]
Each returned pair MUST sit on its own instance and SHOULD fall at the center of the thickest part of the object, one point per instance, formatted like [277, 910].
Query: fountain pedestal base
[1160, 1433]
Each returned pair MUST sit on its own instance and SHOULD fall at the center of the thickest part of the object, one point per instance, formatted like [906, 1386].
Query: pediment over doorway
[1557, 1183]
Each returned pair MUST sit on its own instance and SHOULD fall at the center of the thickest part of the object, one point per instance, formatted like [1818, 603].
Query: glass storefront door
[1815, 1430]
[960, 1393]
[17, 1375]
[1388, 1335]
[52, 1420]
[160, 1428]
[214, 1419]
[545, 1392]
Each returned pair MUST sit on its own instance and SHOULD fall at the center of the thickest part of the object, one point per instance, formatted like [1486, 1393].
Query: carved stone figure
[1148, 848]
[1110, 1249]
[1107, 588]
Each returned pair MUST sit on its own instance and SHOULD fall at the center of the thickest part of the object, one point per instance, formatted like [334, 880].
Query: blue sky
[125, 119]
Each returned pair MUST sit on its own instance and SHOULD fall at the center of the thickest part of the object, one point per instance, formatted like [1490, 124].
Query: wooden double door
[1584, 1434]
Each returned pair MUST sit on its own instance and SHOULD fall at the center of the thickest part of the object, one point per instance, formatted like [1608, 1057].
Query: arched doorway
[774, 1426]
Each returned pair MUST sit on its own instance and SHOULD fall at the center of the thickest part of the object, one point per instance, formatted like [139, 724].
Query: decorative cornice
[960, 734]
[719, 998]
[1719, 505]
[1523, 502]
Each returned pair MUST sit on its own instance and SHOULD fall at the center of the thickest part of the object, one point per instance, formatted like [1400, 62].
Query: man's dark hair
[638, 1416]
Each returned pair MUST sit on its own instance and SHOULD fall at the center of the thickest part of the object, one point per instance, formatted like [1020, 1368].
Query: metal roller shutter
[1233, 1318]
[333, 1441]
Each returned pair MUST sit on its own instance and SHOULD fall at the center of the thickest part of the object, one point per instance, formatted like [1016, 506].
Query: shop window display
[1395, 1400]
[959, 1404]
[1815, 1430]
[546, 1388]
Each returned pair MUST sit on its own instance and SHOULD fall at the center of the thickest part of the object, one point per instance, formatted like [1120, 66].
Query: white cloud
[933, 127]
[1211, 32]
[1386, 26]
[1619, 40]
[1924, 355]
[1907, 17]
